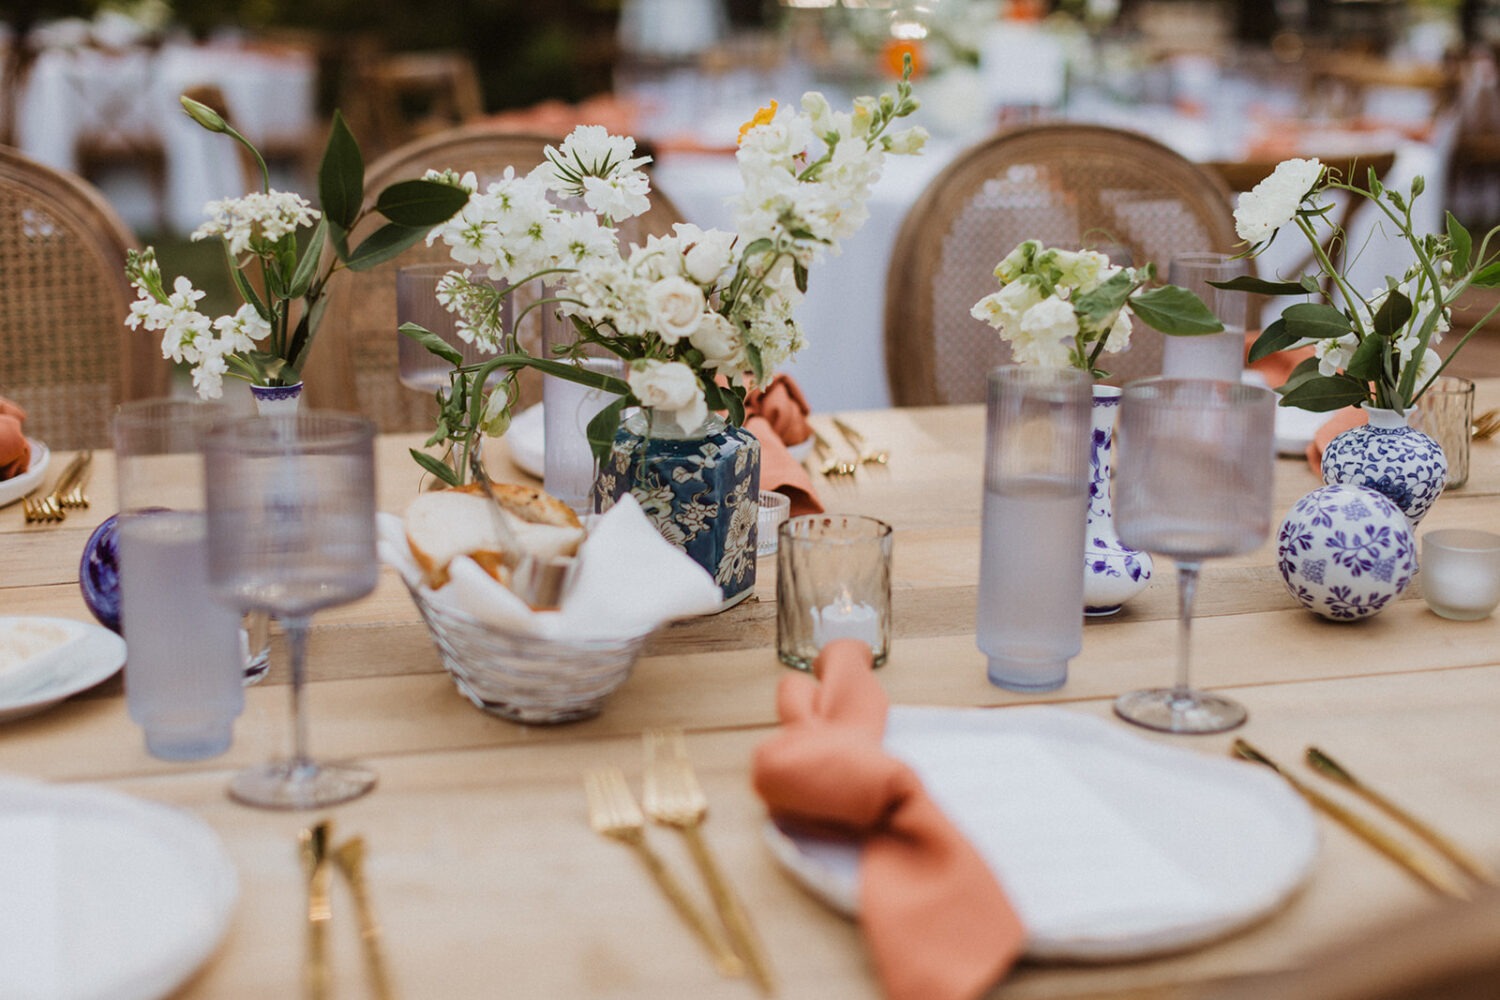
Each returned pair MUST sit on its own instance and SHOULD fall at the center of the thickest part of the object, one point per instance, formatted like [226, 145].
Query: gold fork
[1485, 425]
[350, 857]
[49, 508]
[867, 455]
[673, 797]
[314, 851]
[614, 814]
[832, 466]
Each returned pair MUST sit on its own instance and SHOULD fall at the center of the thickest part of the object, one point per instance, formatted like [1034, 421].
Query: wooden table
[489, 881]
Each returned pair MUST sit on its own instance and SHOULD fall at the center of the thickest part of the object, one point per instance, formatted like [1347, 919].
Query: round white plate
[105, 895]
[1295, 429]
[16, 487]
[526, 439]
[92, 655]
[1110, 846]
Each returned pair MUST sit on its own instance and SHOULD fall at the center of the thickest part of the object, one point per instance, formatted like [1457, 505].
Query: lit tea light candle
[846, 619]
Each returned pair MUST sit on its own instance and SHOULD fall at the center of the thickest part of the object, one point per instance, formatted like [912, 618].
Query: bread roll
[445, 524]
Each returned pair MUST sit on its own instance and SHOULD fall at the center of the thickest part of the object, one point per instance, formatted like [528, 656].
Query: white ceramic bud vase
[1113, 572]
[277, 400]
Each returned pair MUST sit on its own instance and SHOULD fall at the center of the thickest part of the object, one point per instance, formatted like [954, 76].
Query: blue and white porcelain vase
[277, 400]
[1345, 552]
[1391, 458]
[1112, 571]
[701, 489]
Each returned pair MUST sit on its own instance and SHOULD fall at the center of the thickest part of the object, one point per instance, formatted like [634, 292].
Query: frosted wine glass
[291, 530]
[1193, 482]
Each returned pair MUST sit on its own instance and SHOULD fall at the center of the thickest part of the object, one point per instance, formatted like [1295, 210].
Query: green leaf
[1273, 338]
[248, 292]
[799, 273]
[420, 203]
[434, 344]
[1306, 368]
[1394, 313]
[603, 427]
[1324, 394]
[339, 237]
[1488, 276]
[1315, 321]
[386, 243]
[736, 406]
[1097, 307]
[1175, 311]
[1260, 286]
[1462, 243]
[435, 466]
[1368, 361]
[307, 267]
[341, 176]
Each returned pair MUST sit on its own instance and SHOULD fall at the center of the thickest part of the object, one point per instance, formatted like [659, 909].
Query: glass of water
[1193, 482]
[1209, 355]
[417, 302]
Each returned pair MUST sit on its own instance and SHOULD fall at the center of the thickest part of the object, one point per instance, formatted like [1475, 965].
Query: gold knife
[1362, 828]
[350, 857]
[314, 851]
[1330, 768]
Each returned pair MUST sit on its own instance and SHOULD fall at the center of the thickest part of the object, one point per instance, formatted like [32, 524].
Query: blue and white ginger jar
[1112, 571]
[1387, 456]
[1345, 552]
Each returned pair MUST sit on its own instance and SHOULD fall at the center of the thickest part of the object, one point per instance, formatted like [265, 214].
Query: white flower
[1080, 269]
[496, 418]
[1428, 368]
[1273, 202]
[676, 307]
[1119, 333]
[707, 253]
[1046, 335]
[906, 142]
[622, 197]
[720, 341]
[671, 389]
[1333, 355]
[256, 221]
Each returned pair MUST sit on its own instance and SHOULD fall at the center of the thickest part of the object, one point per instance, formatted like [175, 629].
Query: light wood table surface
[489, 882]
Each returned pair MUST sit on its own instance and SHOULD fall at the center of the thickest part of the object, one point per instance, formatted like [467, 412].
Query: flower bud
[203, 115]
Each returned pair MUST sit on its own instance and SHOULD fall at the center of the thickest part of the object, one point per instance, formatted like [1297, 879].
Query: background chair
[1066, 185]
[65, 353]
[354, 363]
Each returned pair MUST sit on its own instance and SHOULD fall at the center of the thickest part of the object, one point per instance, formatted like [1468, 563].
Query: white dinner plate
[1295, 429]
[91, 654]
[16, 487]
[1110, 846]
[527, 441]
[105, 895]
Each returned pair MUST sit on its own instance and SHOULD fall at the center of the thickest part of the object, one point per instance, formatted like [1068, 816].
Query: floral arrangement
[1065, 308]
[699, 316]
[1373, 349]
[265, 341]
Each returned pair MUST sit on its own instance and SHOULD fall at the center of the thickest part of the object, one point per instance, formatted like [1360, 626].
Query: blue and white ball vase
[1345, 552]
[1391, 458]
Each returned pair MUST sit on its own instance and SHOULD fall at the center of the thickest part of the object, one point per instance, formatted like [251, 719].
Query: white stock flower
[1119, 333]
[670, 389]
[496, 418]
[1080, 269]
[1428, 367]
[622, 197]
[1273, 202]
[907, 142]
[256, 220]
[1334, 354]
[1046, 335]
[676, 307]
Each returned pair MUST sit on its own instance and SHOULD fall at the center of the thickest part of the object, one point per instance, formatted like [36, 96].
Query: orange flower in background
[761, 117]
[895, 54]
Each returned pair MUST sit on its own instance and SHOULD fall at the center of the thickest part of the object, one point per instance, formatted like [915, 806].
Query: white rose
[720, 342]
[1273, 202]
[709, 252]
[671, 389]
[676, 308]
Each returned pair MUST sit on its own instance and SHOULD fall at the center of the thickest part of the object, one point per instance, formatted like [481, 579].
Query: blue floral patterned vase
[1391, 458]
[1345, 552]
[701, 490]
[1112, 571]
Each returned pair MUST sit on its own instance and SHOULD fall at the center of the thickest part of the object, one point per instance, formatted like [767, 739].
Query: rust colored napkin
[15, 450]
[938, 924]
[777, 416]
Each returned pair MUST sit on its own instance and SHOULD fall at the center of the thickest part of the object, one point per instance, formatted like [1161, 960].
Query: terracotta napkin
[938, 924]
[15, 450]
[777, 416]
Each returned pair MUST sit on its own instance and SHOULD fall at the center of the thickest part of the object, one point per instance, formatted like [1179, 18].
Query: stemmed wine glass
[1193, 482]
[291, 530]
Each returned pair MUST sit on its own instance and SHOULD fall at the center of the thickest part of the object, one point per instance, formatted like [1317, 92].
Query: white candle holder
[1460, 573]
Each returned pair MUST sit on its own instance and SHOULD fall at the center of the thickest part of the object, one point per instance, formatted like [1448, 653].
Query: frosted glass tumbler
[417, 302]
[1218, 356]
[1461, 572]
[184, 665]
[567, 408]
[1036, 496]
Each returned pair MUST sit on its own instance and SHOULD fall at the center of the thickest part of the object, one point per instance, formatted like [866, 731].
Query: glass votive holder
[774, 508]
[1446, 414]
[833, 581]
[1461, 572]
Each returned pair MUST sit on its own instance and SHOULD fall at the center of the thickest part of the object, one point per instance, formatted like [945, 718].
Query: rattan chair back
[1067, 185]
[65, 353]
[354, 363]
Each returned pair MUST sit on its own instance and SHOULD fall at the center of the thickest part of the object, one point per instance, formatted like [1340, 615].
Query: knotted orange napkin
[15, 450]
[938, 925]
[777, 416]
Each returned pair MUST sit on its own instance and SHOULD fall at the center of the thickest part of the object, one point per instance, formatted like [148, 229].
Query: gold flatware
[314, 851]
[1485, 425]
[49, 508]
[614, 814]
[867, 455]
[831, 464]
[1396, 851]
[350, 858]
[673, 797]
[1332, 769]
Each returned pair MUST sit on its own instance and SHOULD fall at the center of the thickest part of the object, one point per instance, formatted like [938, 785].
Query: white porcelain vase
[1113, 572]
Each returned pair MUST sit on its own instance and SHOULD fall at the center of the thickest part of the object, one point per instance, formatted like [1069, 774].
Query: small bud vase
[277, 400]
[1389, 457]
[1112, 571]
[700, 488]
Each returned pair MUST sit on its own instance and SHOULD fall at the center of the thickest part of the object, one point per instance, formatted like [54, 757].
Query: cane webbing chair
[1067, 185]
[353, 365]
[65, 353]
